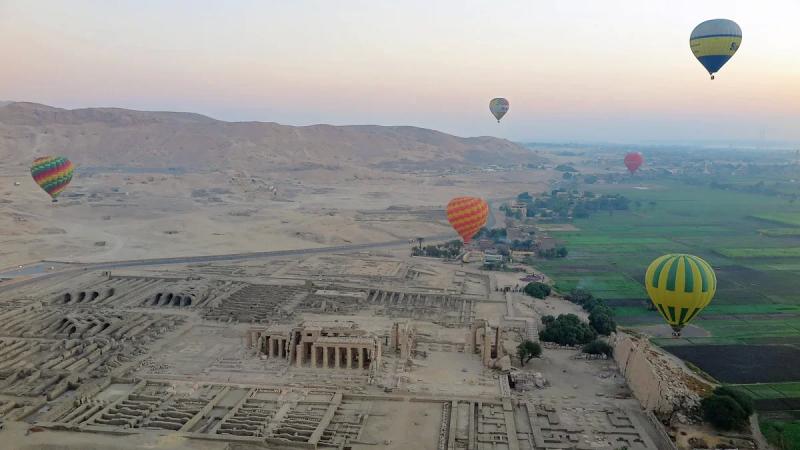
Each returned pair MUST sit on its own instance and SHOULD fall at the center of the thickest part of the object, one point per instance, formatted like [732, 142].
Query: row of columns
[276, 346]
[319, 355]
[335, 357]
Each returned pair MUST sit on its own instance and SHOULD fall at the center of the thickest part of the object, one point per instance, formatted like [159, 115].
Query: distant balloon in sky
[633, 161]
[499, 107]
[52, 173]
[714, 42]
[680, 286]
[467, 215]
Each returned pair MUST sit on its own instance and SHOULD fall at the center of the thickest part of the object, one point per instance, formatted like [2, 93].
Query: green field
[758, 295]
[783, 435]
[786, 218]
[770, 390]
[780, 232]
[776, 252]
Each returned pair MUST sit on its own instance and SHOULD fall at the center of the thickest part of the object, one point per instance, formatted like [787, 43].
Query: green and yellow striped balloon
[680, 286]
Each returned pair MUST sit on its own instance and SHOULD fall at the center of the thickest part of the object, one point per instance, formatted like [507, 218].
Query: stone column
[313, 356]
[349, 357]
[363, 355]
[325, 356]
[336, 357]
[487, 345]
[299, 351]
[271, 346]
[499, 343]
[472, 338]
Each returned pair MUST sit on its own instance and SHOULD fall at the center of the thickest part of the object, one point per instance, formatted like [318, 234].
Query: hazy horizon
[576, 71]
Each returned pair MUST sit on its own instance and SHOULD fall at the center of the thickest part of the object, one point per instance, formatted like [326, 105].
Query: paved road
[76, 268]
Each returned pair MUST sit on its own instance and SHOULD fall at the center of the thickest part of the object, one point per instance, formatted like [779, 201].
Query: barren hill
[114, 136]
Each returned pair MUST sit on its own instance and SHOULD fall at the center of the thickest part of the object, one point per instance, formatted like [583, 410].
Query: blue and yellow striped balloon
[713, 42]
[680, 286]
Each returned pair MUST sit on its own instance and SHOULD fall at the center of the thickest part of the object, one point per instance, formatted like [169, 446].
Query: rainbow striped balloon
[467, 215]
[52, 173]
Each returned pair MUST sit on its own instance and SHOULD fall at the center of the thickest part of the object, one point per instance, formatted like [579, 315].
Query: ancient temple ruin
[482, 336]
[326, 345]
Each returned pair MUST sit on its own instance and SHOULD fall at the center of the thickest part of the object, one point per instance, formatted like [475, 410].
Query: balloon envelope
[498, 107]
[52, 173]
[467, 215]
[633, 161]
[714, 42]
[680, 286]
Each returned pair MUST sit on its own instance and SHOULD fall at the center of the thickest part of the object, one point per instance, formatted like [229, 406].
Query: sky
[573, 70]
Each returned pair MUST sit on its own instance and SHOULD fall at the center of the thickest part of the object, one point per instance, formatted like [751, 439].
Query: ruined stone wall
[659, 383]
[631, 358]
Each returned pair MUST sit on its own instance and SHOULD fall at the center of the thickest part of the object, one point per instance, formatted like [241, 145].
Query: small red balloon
[633, 160]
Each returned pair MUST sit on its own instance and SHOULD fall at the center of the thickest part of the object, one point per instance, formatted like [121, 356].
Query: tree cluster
[601, 317]
[557, 252]
[496, 235]
[537, 289]
[561, 204]
[448, 250]
[598, 347]
[727, 408]
[524, 245]
[566, 329]
[605, 202]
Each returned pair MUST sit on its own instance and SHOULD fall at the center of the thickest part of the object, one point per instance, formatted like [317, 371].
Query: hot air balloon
[680, 286]
[52, 173]
[633, 160]
[713, 42]
[498, 107]
[467, 215]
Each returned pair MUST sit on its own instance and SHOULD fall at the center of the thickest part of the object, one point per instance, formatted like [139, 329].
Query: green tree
[568, 329]
[598, 347]
[723, 412]
[525, 197]
[548, 319]
[528, 350]
[537, 289]
[579, 296]
[741, 398]
[602, 320]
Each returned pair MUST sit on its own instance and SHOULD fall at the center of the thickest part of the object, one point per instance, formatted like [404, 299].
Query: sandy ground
[17, 438]
[144, 215]
[553, 306]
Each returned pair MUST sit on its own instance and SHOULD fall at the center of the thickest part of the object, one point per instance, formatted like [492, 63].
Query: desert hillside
[113, 136]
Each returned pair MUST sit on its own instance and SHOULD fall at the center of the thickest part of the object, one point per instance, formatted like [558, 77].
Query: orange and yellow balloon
[467, 215]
